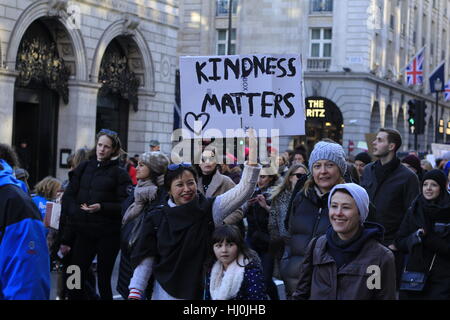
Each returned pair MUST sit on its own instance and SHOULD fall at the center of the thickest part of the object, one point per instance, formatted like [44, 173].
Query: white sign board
[242, 91]
[439, 150]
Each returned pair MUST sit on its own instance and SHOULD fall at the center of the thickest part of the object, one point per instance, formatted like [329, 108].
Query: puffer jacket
[321, 279]
[96, 182]
[308, 219]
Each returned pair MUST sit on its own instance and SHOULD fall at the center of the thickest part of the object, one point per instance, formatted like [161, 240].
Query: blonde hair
[286, 184]
[48, 188]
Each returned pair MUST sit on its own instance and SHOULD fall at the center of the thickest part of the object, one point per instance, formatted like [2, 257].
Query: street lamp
[437, 89]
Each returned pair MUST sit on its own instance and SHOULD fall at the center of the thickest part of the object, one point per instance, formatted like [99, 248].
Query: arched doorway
[119, 86]
[388, 119]
[323, 120]
[375, 119]
[42, 82]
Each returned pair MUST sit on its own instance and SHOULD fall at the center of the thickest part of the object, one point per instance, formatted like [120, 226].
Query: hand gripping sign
[227, 93]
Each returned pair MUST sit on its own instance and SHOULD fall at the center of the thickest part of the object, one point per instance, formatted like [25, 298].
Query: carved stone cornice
[130, 24]
[57, 7]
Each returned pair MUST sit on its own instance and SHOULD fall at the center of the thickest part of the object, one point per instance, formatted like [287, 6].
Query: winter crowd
[328, 227]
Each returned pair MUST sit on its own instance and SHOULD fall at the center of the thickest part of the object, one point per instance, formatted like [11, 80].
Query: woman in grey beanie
[308, 217]
[148, 193]
[348, 262]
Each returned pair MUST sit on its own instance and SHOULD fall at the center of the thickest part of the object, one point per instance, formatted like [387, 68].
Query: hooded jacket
[24, 257]
[321, 279]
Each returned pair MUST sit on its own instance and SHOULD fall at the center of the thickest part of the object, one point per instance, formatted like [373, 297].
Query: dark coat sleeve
[123, 182]
[388, 277]
[70, 205]
[435, 243]
[255, 289]
[406, 237]
[303, 291]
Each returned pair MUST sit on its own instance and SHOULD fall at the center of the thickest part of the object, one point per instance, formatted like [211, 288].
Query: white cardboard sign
[242, 91]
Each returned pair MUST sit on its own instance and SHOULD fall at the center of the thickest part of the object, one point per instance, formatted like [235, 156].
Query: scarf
[144, 193]
[383, 171]
[435, 211]
[225, 284]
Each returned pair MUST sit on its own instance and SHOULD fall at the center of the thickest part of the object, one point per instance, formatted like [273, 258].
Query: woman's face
[208, 163]
[226, 252]
[430, 189]
[344, 215]
[183, 189]
[293, 178]
[326, 174]
[104, 148]
[264, 181]
[142, 171]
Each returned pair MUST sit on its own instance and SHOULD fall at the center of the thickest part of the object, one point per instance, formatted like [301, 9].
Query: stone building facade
[354, 53]
[70, 68]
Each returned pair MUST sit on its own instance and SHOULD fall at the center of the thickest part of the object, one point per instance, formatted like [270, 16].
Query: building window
[321, 5]
[392, 22]
[222, 7]
[321, 42]
[222, 42]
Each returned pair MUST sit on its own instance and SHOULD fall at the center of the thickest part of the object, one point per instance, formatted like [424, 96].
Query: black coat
[258, 225]
[421, 250]
[96, 182]
[179, 239]
[391, 198]
[308, 219]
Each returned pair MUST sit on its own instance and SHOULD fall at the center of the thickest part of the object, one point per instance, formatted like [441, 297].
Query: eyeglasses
[298, 175]
[176, 166]
[110, 132]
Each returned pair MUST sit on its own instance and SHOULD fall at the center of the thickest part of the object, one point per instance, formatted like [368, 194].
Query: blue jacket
[24, 257]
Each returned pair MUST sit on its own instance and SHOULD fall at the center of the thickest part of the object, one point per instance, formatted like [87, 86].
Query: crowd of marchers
[328, 225]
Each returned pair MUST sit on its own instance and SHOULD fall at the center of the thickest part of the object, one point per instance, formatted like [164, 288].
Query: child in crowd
[234, 271]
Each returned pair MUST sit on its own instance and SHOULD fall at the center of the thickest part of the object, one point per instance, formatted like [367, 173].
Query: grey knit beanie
[156, 161]
[328, 151]
[359, 194]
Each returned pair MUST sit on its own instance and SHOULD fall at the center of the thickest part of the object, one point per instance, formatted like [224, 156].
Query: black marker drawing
[196, 117]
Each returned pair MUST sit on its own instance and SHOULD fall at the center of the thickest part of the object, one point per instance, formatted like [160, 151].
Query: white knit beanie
[328, 151]
[359, 194]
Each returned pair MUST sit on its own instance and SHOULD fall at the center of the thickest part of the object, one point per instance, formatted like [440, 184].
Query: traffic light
[412, 115]
[421, 116]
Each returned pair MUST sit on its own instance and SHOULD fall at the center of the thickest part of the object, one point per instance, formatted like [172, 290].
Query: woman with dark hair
[234, 271]
[175, 239]
[92, 202]
[258, 237]
[425, 236]
[212, 183]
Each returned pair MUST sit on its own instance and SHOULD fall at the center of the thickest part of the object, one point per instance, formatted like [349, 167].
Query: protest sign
[242, 91]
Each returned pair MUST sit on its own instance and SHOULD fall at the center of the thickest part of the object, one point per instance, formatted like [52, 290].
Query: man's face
[381, 145]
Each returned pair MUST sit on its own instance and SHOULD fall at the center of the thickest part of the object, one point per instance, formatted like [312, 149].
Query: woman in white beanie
[308, 217]
[348, 262]
[148, 193]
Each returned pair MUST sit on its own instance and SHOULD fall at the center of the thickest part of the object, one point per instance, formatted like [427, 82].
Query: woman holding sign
[174, 243]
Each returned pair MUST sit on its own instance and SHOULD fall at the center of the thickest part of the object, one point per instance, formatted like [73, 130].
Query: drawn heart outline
[196, 117]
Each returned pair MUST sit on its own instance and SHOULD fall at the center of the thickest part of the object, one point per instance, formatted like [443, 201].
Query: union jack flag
[447, 91]
[414, 70]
